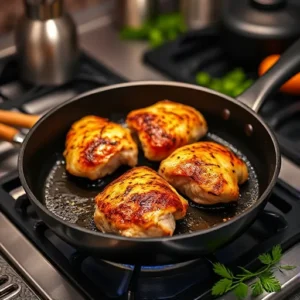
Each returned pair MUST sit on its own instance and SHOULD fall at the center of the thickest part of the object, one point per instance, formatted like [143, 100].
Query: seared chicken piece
[166, 126]
[206, 172]
[96, 147]
[139, 204]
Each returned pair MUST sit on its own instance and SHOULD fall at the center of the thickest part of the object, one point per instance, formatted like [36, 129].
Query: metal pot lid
[262, 18]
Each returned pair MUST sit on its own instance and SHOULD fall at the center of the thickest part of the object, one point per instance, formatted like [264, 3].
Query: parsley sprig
[265, 279]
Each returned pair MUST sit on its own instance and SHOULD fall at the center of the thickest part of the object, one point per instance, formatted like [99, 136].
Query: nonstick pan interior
[72, 198]
[44, 179]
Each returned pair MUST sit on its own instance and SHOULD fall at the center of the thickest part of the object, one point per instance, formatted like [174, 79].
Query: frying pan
[231, 121]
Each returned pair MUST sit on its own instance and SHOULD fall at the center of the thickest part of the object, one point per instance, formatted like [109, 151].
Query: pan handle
[286, 67]
[10, 134]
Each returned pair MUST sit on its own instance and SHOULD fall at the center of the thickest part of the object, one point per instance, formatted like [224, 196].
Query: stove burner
[152, 269]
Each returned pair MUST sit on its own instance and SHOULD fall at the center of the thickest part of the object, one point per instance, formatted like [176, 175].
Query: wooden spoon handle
[8, 133]
[18, 119]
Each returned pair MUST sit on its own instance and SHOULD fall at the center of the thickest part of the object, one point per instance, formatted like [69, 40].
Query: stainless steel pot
[46, 42]
[200, 13]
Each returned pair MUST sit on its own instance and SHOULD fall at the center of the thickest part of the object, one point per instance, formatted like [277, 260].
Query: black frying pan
[65, 203]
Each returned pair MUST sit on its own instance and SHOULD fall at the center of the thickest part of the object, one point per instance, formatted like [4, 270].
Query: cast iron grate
[15, 94]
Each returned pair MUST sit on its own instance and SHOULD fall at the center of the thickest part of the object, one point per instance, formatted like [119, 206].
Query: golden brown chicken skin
[166, 126]
[139, 204]
[206, 172]
[96, 147]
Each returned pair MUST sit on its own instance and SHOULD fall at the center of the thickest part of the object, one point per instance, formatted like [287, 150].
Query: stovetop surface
[279, 223]
[96, 279]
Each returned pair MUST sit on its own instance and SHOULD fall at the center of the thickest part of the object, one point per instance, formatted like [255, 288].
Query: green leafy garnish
[265, 279]
[222, 286]
[257, 288]
[158, 30]
[222, 271]
[276, 253]
[241, 290]
[265, 258]
[232, 83]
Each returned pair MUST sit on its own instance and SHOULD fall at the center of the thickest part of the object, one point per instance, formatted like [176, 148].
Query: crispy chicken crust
[96, 147]
[139, 203]
[206, 172]
[166, 126]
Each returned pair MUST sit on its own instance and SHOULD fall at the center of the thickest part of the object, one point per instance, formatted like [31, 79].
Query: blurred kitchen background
[11, 10]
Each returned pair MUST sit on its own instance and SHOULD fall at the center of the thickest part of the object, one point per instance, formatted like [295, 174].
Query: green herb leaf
[265, 258]
[221, 287]
[221, 270]
[287, 267]
[270, 283]
[276, 254]
[257, 288]
[241, 291]
[266, 280]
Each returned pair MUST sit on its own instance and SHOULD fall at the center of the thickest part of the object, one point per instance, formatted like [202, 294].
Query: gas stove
[36, 264]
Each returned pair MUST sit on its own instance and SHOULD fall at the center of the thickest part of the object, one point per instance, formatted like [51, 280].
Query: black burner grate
[279, 223]
[201, 51]
[15, 93]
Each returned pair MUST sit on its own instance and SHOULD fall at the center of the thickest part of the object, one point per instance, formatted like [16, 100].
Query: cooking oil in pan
[72, 199]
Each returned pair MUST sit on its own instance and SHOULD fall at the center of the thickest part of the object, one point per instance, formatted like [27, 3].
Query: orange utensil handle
[8, 133]
[18, 119]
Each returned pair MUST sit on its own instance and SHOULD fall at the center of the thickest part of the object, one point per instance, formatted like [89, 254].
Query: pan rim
[75, 227]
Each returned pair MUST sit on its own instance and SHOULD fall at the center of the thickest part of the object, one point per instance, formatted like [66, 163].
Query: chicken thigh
[139, 204]
[206, 172]
[166, 126]
[96, 147]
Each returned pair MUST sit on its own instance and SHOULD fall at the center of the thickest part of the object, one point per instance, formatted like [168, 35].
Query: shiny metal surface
[32, 265]
[123, 57]
[18, 138]
[14, 287]
[43, 10]
[133, 13]
[290, 173]
[200, 13]
[47, 47]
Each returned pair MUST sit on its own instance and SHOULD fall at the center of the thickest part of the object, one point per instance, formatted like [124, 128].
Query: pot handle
[286, 67]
